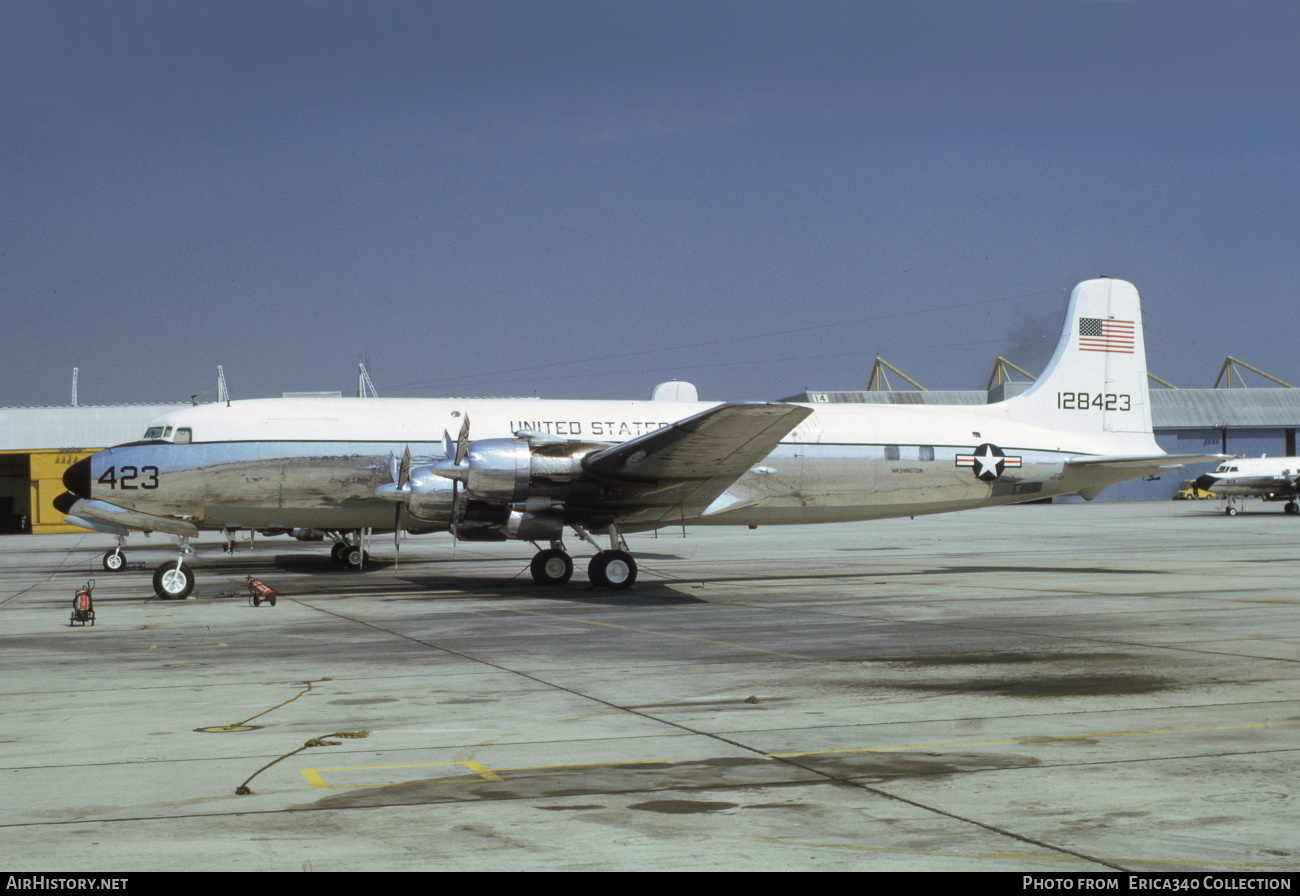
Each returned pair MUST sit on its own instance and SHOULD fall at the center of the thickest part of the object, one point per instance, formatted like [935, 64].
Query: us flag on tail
[1097, 335]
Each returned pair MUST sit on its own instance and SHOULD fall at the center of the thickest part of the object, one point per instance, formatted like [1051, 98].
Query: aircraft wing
[104, 517]
[677, 471]
[1104, 471]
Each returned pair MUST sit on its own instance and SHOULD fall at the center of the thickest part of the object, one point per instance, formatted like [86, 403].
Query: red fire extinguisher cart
[83, 605]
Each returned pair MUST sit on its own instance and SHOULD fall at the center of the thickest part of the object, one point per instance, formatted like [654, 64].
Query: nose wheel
[173, 581]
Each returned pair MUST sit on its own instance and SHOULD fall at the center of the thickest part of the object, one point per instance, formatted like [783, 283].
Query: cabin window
[891, 452]
[926, 452]
[183, 435]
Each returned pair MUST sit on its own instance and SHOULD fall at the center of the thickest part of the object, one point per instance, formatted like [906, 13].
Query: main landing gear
[350, 549]
[349, 555]
[614, 569]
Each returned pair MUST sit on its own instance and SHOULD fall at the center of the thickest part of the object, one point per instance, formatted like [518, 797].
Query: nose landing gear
[115, 560]
[175, 581]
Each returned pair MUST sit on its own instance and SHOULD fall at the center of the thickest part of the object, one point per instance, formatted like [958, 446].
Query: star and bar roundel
[988, 462]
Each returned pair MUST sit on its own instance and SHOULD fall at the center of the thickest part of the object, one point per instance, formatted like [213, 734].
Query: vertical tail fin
[1096, 382]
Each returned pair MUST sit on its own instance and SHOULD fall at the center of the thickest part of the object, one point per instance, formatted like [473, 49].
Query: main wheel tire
[615, 570]
[337, 552]
[551, 567]
[1231, 511]
[355, 558]
[114, 561]
[173, 582]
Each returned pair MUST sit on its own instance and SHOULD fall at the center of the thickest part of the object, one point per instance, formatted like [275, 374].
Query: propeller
[401, 470]
[461, 449]
[453, 453]
[462, 442]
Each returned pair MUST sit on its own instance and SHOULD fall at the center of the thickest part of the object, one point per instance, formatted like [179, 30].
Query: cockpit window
[183, 435]
[153, 432]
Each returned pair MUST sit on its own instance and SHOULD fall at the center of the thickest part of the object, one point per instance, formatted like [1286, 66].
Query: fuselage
[1253, 476]
[316, 462]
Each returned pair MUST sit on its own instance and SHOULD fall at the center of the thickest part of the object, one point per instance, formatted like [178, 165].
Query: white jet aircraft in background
[1270, 478]
[529, 469]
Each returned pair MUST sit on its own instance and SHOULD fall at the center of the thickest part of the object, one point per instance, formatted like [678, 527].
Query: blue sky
[582, 199]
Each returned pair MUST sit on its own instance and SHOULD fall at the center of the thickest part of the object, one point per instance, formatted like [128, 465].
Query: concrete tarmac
[1063, 688]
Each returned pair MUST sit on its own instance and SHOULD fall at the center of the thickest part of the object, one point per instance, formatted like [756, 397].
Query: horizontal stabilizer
[1143, 462]
[1097, 473]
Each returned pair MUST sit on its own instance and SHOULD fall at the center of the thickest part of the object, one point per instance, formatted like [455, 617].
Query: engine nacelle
[508, 471]
[502, 486]
[430, 498]
[497, 470]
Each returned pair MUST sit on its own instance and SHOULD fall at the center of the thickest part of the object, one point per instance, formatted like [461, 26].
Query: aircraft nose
[63, 503]
[76, 478]
[1205, 482]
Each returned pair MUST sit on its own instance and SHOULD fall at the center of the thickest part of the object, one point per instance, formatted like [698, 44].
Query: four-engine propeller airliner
[529, 469]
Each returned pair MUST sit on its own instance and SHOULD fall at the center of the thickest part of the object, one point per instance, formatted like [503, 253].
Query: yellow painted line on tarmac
[1029, 740]
[316, 779]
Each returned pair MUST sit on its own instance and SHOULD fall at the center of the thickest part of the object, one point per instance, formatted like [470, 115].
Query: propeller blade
[397, 527]
[403, 474]
[462, 441]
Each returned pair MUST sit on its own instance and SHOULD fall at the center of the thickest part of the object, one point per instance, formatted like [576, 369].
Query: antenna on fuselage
[74, 387]
[222, 394]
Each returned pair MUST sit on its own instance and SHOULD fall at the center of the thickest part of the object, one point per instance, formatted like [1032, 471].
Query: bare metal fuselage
[236, 473]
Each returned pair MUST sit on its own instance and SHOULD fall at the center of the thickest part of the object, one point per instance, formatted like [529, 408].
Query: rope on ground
[243, 789]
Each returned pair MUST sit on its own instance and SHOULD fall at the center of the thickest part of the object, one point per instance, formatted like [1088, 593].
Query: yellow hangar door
[45, 483]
